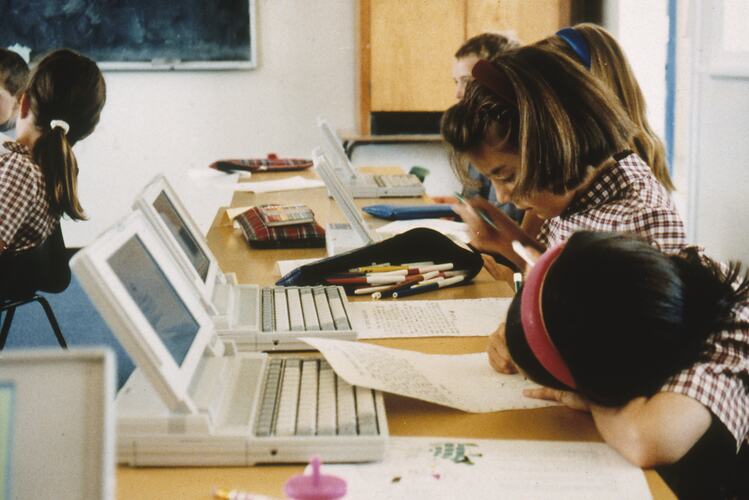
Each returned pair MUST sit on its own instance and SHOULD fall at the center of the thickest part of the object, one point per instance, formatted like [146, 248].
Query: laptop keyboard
[287, 309]
[396, 180]
[304, 397]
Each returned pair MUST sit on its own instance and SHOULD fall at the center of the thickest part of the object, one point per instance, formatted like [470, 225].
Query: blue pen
[480, 212]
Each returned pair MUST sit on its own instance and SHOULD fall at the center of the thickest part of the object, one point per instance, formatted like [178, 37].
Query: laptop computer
[256, 318]
[343, 237]
[194, 400]
[57, 424]
[365, 185]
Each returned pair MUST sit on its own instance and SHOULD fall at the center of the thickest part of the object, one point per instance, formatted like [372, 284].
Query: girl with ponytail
[656, 347]
[38, 177]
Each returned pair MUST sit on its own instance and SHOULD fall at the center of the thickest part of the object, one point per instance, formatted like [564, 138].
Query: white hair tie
[59, 123]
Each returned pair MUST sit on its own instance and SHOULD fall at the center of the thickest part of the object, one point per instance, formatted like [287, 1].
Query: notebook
[256, 318]
[365, 185]
[195, 400]
[342, 237]
[57, 424]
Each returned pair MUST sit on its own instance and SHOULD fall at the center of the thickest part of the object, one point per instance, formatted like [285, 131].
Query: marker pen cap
[315, 486]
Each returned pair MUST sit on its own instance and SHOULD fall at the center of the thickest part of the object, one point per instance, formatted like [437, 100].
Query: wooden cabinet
[406, 47]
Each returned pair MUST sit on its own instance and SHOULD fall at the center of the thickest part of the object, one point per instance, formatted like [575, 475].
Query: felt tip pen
[224, 494]
[367, 280]
[419, 278]
[517, 278]
[427, 288]
[416, 266]
[477, 211]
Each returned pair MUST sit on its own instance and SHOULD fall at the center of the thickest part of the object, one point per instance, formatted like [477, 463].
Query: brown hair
[65, 86]
[560, 120]
[14, 72]
[610, 65]
[486, 45]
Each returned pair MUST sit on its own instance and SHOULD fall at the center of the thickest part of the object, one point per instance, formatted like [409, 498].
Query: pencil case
[409, 212]
[416, 245]
[270, 164]
[260, 235]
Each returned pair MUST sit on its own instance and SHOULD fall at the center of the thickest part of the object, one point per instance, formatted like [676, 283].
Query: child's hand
[495, 237]
[447, 200]
[498, 271]
[568, 398]
[499, 355]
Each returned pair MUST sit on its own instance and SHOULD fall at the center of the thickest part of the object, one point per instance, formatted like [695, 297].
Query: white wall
[714, 45]
[173, 121]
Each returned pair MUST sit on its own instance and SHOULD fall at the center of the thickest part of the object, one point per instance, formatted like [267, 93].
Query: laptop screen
[155, 296]
[7, 397]
[336, 153]
[168, 213]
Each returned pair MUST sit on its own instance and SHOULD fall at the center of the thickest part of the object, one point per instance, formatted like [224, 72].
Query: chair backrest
[43, 268]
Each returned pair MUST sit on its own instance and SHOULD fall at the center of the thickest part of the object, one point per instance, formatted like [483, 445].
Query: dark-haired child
[655, 346]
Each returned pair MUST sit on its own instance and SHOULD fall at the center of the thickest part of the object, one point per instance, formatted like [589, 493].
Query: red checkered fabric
[627, 198]
[259, 235]
[25, 218]
[720, 378]
[272, 163]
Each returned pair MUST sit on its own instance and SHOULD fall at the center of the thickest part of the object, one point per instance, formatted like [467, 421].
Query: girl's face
[501, 168]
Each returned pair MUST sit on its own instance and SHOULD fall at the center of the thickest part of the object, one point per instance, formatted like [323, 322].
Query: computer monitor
[163, 208]
[342, 197]
[335, 152]
[57, 423]
[148, 302]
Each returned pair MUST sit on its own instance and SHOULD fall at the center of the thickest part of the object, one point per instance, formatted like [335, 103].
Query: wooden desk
[406, 417]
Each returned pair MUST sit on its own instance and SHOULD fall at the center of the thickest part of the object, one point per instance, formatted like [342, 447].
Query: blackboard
[136, 34]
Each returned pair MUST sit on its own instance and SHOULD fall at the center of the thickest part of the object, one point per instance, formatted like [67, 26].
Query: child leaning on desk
[38, 175]
[554, 140]
[654, 346]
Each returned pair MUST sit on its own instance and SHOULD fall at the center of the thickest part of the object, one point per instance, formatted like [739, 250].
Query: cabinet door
[528, 20]
[412, 43]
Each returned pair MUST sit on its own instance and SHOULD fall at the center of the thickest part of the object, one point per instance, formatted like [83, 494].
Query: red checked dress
[626, 198]
[25, 218]
[720, 377]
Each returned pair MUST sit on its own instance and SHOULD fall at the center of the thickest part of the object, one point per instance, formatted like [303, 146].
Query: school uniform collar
[609, 184]
[17, 147]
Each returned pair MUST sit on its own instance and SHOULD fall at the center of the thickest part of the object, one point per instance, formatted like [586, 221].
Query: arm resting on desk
[646, 431]
[655, 431]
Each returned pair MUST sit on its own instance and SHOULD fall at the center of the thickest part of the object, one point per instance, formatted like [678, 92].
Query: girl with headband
[599, 52]
[656, 347]
[553, 139]
[38, 176]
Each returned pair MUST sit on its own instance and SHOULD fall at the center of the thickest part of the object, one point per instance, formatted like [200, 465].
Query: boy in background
[483, 46]
[14, 73]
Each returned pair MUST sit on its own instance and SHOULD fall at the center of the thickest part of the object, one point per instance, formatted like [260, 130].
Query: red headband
[532, 319]
[490, 77]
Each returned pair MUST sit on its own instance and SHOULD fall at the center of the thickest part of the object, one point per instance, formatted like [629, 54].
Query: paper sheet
[288, 184]
[458, 230]
[464, 381]
[427, 318]
[284, 267]
[430, 468]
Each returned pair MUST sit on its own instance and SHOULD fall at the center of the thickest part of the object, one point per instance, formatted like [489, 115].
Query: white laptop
[57, 424]
[256, 318]
[343, 237]
[365, 185]
[194, 400]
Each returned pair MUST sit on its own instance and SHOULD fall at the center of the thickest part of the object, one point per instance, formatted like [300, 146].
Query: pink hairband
[490, 77]
[532, 319]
